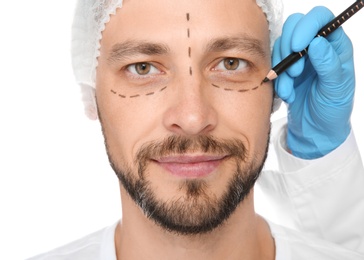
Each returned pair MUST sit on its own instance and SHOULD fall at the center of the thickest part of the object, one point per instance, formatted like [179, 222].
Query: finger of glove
[308, 27]
[341, 44]
[288, 30]
[284, 87]
[327, 64]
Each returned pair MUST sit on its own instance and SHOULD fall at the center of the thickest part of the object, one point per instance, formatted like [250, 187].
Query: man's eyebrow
[242, 43]
[127, 49]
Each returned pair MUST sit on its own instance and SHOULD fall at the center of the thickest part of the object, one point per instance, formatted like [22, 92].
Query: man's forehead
[191, 4]
[157, 15]
[216, 26]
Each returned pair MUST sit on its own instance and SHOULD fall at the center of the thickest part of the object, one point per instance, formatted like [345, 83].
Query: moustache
[179, 145]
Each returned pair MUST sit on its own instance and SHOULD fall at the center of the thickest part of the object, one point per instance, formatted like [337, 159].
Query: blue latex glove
[319, 88]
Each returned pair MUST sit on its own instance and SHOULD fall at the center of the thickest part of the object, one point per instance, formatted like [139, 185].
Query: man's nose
[191, 111]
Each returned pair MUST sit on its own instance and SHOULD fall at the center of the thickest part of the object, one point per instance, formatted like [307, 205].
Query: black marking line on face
[136, 95]
[232, 90]
[243, 90]
[188, 36]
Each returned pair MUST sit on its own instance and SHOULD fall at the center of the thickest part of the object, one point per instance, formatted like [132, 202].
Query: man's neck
[243, 236]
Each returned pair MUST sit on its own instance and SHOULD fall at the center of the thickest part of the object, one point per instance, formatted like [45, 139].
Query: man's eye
[142, 69]
[231, 64]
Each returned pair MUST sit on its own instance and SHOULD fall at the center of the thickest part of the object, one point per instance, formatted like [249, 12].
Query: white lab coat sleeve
[322, 197]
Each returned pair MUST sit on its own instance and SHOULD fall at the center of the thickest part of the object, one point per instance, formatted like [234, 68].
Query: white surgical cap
[89, 21]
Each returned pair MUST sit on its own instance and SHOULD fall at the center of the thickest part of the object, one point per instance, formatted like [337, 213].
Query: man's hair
[90, 19]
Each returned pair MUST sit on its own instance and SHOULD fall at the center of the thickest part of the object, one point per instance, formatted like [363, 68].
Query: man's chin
[195, 207]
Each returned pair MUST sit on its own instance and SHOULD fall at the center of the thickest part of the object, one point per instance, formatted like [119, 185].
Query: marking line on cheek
[136, 95]
[232, 90]
[243, 90]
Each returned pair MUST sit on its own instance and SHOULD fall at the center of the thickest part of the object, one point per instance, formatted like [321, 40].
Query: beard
[197, 211]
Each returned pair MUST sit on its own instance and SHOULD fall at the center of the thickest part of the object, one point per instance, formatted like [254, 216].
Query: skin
[186, 102]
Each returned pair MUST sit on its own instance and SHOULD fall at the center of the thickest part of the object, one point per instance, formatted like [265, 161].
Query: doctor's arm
[319, 186]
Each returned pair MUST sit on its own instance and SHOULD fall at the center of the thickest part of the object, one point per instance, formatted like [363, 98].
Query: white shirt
[319, 205]
[99, 245]
[290, 245]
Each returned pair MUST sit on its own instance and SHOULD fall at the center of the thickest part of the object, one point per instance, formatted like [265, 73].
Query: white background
[55, 181]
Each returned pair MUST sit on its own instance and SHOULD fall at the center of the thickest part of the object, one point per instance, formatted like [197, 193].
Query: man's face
[185, 118]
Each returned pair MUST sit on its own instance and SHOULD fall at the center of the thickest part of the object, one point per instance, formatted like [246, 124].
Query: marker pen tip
[264, 80]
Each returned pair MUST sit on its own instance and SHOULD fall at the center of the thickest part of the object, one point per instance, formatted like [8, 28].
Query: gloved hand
[319, 88]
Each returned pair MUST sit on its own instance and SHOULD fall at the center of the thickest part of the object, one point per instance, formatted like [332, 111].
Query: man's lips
[188, 166]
